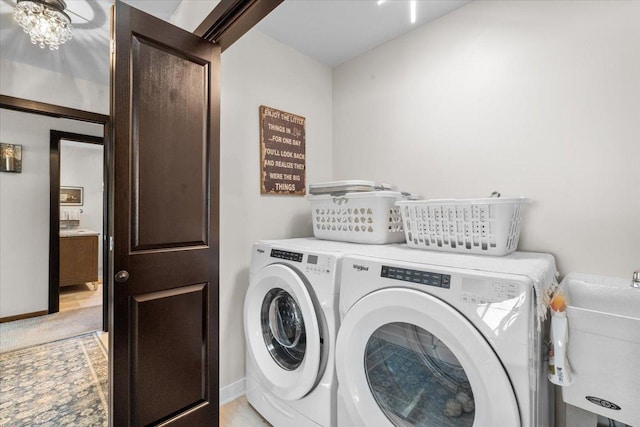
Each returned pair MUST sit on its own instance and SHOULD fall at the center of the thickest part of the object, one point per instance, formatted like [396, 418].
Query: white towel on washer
[539, 267]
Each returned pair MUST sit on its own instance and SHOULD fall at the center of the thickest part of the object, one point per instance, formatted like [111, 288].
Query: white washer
[427, 335]
[291, 321]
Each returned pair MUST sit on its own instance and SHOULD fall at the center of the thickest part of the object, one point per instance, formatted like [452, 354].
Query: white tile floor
[239, 413]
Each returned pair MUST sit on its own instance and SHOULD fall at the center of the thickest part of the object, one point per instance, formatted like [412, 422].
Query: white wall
[190, 14]
[37, 84]
[532, 98]
[258, 70]
[81, 165]
[24, 211]
[24, 198]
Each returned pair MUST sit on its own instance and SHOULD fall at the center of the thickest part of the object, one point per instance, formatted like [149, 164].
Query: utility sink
[604, 346]
[604, 294]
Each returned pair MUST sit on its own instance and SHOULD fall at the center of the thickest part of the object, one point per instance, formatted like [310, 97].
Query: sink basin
[77, 232]
[604, 294]
[603, 314]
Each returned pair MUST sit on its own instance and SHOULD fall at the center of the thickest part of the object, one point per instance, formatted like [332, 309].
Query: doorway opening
[35, 346]
[77, 243]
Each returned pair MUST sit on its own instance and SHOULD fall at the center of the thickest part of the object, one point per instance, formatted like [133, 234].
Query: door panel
[175, 183]
[170, 323]
[165, 115]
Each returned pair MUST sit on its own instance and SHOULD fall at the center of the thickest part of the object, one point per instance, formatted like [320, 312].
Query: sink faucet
[636, 280]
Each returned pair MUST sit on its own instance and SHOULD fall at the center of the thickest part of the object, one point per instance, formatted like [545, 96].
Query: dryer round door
[404, 357]
[282, 332]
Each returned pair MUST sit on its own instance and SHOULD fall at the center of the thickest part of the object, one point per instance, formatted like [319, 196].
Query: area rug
[61, 383]
[39, 330]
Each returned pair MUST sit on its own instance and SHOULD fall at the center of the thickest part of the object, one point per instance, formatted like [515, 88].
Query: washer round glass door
[404, 357]
[282, 331]
[283, 328]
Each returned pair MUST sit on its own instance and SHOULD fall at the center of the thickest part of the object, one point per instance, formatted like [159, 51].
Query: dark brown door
[165, 115]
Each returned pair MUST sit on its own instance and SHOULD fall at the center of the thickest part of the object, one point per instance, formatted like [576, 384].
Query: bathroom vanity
[78, 257]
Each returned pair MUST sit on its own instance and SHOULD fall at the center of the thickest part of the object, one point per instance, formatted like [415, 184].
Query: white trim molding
[232, 391]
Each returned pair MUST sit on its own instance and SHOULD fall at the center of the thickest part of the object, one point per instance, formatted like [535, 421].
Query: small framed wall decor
[10, 158]
[71, 196]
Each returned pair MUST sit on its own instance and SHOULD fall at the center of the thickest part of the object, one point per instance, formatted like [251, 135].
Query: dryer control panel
[483, 291]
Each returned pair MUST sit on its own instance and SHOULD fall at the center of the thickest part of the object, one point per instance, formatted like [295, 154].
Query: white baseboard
[231, 391]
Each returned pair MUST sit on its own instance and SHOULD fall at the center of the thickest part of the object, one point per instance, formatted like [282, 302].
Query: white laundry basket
[488, 226]
[366, 217]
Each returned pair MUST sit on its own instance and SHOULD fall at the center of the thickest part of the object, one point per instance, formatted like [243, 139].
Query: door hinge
[112, 47]
[110, 243]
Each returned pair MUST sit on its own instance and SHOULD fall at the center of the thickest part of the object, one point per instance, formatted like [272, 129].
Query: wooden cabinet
[78, 260]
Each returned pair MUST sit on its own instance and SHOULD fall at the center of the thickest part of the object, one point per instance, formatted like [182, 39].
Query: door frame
[230, 19]
[56, 137]
[51, 110]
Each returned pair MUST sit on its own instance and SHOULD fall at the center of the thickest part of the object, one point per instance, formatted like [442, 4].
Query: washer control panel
[287, 255]
[312, 263]
[416, 276]
[318, 264]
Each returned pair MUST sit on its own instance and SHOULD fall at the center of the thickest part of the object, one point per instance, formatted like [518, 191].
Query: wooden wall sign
[282, 152]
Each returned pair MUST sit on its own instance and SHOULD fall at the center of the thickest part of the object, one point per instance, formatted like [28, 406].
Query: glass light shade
[44, 21]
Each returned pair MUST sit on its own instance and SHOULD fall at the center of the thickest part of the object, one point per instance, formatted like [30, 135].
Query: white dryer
[291, 321]
[436, 339]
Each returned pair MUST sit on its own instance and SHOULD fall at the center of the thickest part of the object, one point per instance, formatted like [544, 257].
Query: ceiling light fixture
[412, 9]
[44, 21]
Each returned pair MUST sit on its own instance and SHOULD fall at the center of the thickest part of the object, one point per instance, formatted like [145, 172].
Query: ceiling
[86, 55]
[335, 31]
[331, 31]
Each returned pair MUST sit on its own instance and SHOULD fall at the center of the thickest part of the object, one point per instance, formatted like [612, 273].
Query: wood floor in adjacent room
[79, 296]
